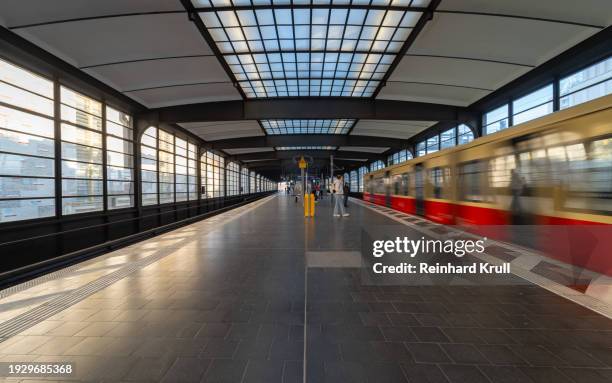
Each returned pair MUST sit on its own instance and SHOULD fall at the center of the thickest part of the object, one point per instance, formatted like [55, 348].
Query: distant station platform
[261, 294]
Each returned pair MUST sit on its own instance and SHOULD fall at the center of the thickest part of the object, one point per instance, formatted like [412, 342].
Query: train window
[401, 184]
[439, 178]
[405, 189]
[470, 181]
[500, 171]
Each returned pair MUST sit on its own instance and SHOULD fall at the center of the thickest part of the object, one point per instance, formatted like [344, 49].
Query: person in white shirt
[338, 190]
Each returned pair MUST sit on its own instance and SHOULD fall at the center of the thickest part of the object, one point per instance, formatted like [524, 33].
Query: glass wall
[533, 105]
[180, 161]
[192, 171]
[82, 153]
[119, 159]
[252, 180]
[233, 178]
[148, 171]
[165, 155]
[27, 139]
[376, 165]
[213, 175]
[585, 85]
[399, 157]
[354, 184]
[458, 135]
[495, 120]
[244, 180]
[362, 172]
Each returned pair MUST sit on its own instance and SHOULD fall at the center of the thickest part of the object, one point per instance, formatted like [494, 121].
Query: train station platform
[262, 294]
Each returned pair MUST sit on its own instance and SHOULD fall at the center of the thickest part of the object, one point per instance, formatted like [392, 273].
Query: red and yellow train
[554, 170]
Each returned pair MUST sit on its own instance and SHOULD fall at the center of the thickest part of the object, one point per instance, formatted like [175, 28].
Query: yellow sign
[302, 163]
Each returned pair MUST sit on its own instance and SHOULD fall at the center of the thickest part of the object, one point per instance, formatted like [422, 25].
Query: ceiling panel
[176, 95]
[483, 75]
[438, 94]
[99, 41]
[594, 12]
[390, 128]
[507, 39]
[20, 12]
[210, 131]
[158, 73]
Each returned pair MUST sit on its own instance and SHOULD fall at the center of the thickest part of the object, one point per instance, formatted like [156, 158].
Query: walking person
[338, 190]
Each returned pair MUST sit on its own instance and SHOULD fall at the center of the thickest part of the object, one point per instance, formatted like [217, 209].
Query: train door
[419, 189]
[387, 183]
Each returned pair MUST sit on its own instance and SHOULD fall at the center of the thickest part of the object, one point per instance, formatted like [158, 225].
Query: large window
[213, 175]
[448, 138]
[354, 178]
[148, 172]
[165, 156]
[376, 165]
[464, 134]
[533, 105]
[27, 154]
[399, 157]
[432, 144]
[233, 178]
[82, 153]
[587, 84]
[119, 159]
[496, 120]
[169, 169]
[244, 180]
[362, 172]
[180, 160]
[192, 170]
[252, 182]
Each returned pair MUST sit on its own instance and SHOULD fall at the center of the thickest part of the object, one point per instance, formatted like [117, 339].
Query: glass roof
[305, 148]
[292, 48]
[341, 126]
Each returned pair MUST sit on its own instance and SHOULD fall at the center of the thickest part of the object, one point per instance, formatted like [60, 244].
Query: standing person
[338, 190]
[346, 191]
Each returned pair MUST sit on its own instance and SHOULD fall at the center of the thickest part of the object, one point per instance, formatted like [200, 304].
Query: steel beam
[290, 154]
[312, 108]
[308, 140]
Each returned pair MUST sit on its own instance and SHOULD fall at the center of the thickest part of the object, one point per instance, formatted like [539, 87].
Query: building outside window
[82, 153]
[212, 175]
[496, 120]
[119, 159]
[533, 105]
[587, 84]
[233, 178]
[27, 140]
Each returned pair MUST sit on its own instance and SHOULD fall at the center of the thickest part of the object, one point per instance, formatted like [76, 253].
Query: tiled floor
[223, 301]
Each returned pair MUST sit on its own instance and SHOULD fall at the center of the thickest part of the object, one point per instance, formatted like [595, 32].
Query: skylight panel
[301, 49]
[336, 126]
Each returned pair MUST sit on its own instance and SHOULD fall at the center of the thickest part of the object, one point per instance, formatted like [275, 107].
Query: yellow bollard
[306, 201]
[312, 204]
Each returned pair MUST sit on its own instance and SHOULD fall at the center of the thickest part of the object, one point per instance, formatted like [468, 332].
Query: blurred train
[554, 170]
